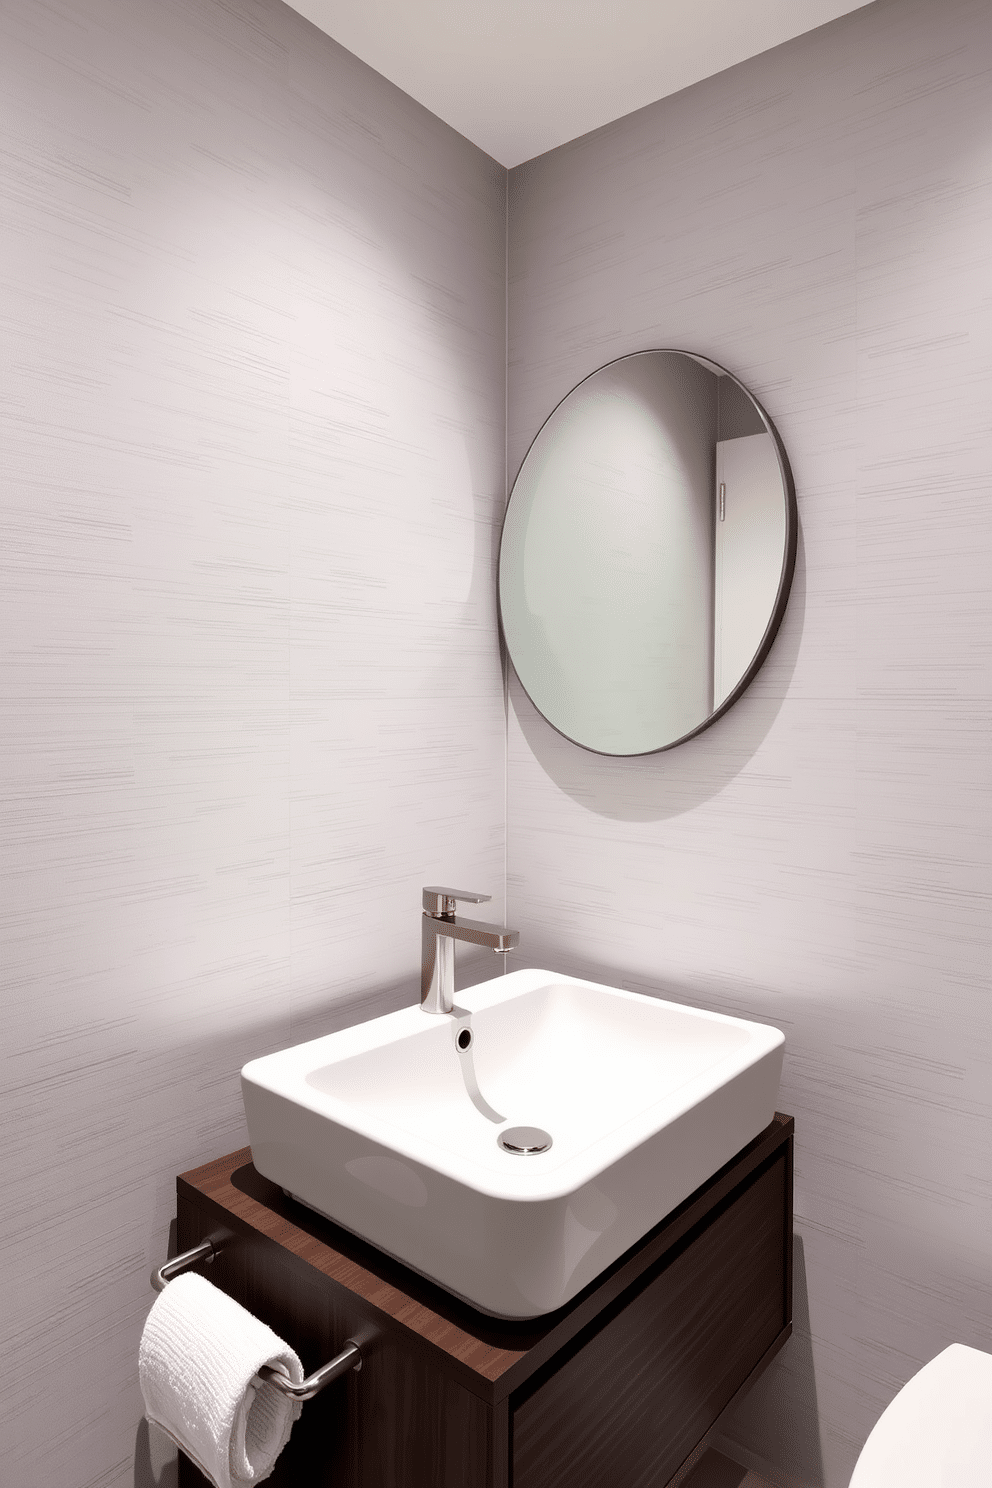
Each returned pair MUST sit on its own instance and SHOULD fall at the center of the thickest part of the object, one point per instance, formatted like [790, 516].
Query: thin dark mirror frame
[785, 581]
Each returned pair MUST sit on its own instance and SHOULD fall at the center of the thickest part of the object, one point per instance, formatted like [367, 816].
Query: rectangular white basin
[391, 1130]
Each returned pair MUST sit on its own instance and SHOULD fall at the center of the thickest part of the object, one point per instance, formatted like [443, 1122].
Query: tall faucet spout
[440, 929]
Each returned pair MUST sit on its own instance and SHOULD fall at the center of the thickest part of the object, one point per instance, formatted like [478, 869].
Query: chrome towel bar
[162, 1275]
[350, 1356]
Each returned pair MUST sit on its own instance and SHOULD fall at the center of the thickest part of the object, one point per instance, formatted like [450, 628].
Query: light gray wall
[253, 365]
[252, 425]
[818, 221]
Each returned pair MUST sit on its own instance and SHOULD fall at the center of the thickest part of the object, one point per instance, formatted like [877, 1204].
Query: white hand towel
[199, 1355]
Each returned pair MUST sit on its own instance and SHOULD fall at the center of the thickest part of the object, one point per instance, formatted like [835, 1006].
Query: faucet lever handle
[440, 901]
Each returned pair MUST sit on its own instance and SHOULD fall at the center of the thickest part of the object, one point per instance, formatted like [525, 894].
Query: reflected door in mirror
[750, 538]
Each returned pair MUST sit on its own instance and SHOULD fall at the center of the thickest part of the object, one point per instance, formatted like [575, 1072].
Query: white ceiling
[521, 76]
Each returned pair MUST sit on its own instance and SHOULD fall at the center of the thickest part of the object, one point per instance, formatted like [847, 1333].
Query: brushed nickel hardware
[442, 901]
[350, 1356]
[440, 928]
[524, 1141]
[723, 501]
[162, 1275]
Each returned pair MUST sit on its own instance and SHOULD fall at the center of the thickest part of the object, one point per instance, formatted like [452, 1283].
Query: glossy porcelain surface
[937, 1432]
[391, 1128]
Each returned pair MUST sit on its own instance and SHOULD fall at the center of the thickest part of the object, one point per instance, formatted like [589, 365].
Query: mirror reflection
[647, 553]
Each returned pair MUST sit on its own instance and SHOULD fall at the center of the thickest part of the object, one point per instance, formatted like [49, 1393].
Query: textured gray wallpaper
[251, 404]
[817, 220]
[251, 411]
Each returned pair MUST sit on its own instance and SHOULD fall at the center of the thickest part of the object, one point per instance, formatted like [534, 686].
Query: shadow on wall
[654, 787]
[156, 1464]
[775, 1428]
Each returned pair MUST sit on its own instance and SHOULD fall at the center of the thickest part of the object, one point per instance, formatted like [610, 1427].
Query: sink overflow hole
[464, 1039]
[524, 1141]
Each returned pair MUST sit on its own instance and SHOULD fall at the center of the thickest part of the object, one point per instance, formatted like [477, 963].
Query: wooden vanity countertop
[231, 1190]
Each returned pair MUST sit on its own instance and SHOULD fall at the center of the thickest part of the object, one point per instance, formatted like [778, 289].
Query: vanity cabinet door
[638, 1393]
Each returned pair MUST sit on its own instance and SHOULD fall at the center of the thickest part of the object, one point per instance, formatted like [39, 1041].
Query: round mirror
[647, 552]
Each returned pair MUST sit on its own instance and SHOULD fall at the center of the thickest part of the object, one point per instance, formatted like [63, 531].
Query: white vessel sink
[391, 1130]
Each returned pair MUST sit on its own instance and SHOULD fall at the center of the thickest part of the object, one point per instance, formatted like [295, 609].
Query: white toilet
[937, 1432]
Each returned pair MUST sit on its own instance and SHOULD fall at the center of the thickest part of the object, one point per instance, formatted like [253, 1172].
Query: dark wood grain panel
[637, 1395]
[631, 1374]
[490, 1355]
[395, 1423]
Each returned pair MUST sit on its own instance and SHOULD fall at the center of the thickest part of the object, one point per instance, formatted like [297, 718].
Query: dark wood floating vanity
[617, 1388]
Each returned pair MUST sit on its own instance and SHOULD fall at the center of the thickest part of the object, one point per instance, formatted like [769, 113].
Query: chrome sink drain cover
[524, 1141]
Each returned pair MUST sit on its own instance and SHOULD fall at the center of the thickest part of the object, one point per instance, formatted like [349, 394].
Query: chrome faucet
[439, 931]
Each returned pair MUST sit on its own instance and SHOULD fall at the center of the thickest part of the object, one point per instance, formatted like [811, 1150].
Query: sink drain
[524, 1141]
